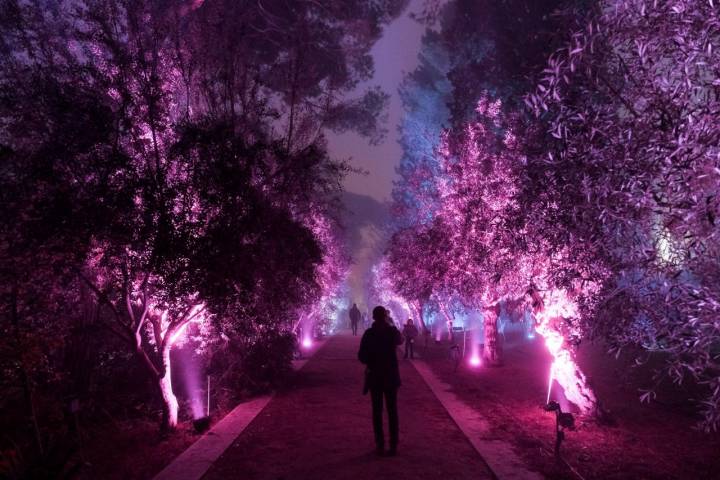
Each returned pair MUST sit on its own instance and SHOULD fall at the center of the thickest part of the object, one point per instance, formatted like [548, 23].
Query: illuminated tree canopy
[171, 209]
[173, 166]
[594, 205]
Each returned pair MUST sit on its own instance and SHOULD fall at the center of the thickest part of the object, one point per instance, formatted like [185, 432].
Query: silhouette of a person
[378, 352]
[354, 318]
[410, 332]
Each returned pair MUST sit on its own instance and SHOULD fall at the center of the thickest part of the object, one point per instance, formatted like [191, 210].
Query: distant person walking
[410, 333]
[354, 318]
[382, 377]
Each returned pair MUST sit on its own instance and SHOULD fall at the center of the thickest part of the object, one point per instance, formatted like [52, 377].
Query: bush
[268, 360]
[260, 364]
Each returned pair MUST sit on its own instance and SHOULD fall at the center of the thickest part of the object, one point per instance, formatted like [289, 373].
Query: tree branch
[103, 298]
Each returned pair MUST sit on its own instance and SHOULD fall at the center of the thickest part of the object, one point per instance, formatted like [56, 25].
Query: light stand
[563, 420]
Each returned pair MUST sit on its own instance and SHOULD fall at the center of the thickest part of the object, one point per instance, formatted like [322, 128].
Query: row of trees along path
[320, 427]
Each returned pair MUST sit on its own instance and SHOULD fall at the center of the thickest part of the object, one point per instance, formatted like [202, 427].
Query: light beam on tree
[553, 310]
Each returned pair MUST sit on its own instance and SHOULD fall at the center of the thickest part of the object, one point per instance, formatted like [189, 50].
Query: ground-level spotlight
[307, 343]
[201, 424]
[531, 335]
[563, 421]
[475, 361]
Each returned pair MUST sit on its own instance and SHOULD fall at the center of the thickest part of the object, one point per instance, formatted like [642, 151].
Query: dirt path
[321, 429]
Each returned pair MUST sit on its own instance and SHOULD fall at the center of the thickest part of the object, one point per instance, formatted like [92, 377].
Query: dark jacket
[354, 315]
[377, 351]
[410, 332]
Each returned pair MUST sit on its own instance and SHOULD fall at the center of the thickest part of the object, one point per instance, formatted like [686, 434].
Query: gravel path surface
[321, 429]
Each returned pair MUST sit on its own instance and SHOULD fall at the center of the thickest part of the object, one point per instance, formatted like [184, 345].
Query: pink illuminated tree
[479, 166]
[417, 282]
[478, 247]
[324, 305]
[168, 213]
[625, 186]
[470, 225]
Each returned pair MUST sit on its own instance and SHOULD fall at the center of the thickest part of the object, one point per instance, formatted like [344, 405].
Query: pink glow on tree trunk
[170, 403]
[438, 332]
[556, 307]
[491, 349]
[448, 323]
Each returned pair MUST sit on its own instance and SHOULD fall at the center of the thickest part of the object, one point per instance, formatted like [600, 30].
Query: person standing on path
[410, 333]
[382, 377]
[354, 318]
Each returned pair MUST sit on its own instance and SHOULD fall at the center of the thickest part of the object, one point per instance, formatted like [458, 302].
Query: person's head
[409, 321]
[354, 305]
[379, 314]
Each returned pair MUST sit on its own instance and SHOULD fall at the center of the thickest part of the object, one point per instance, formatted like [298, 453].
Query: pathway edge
[499, 456]
[196, 460]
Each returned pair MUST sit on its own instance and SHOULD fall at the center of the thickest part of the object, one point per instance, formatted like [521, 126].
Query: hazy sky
[395, 53]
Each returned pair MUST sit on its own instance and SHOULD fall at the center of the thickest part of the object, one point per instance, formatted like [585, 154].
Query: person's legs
[412, 349]
[408, 346]
[391, 403]
[377, 405]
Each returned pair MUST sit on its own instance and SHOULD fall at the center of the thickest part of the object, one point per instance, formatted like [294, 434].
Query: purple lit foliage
[627, 185]
[447, 212]
[606, 225]
[134, 169]
[296, 63]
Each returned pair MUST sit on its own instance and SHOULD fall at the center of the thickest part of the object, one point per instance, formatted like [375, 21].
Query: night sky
[394, 54]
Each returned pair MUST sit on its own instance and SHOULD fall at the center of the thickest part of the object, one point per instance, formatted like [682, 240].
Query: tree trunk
[564, 370]
[300, 321]
[419, 315]
[492, 351]
[448, 324]
[26, 381]
[170, 403]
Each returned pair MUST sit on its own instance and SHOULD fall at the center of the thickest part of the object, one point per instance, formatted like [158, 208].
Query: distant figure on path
[354, 318]
[410, 333]
[382, 378]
